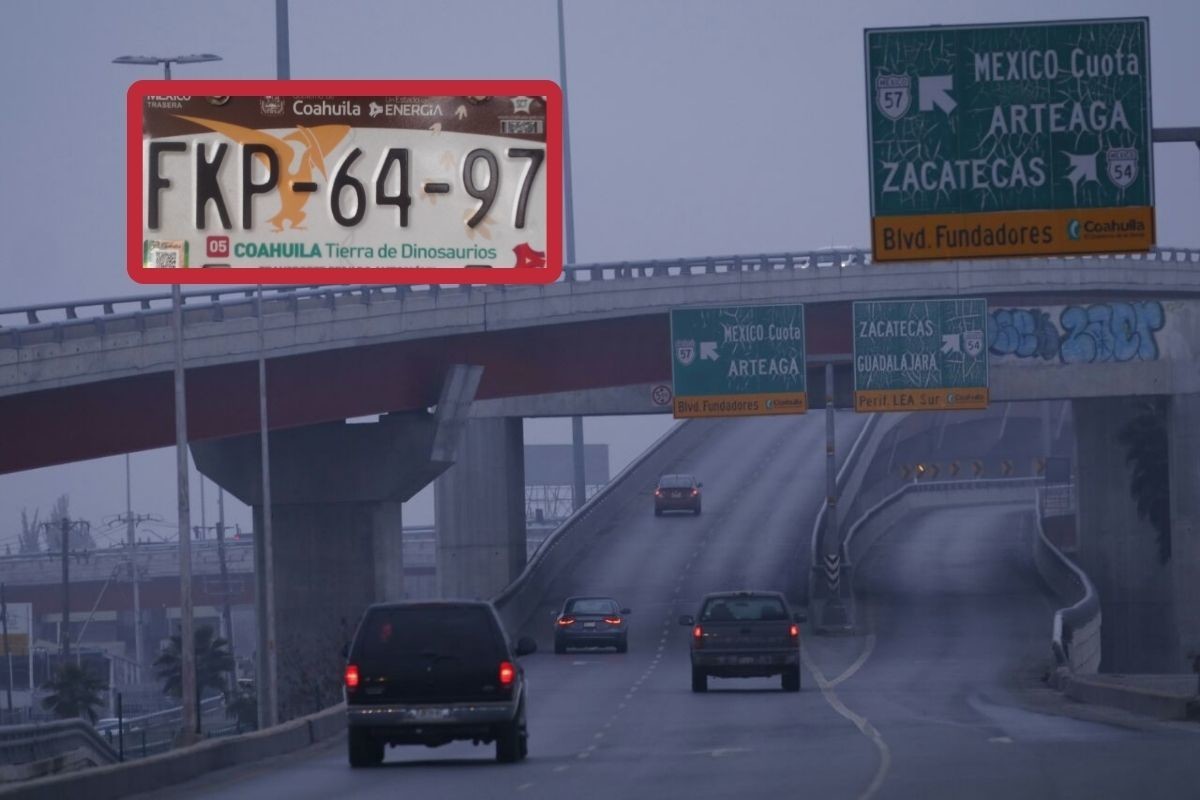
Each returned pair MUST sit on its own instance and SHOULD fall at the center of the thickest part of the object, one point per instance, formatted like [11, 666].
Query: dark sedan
[591, 622]
[677, 493]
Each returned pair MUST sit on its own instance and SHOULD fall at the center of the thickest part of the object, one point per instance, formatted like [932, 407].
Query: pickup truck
[745, 635]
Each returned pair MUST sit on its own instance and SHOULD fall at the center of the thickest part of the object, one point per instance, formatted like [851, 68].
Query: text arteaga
[1071, 117]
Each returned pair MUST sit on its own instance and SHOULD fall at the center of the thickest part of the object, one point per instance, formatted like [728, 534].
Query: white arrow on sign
[708, 351]
[461, 112]
[934, 90]
[950, 343]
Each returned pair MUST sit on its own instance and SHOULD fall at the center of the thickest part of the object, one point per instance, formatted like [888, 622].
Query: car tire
[623, 644]
[559, 647]
[697, 511]
[511, 744]
[699, 680]
[658, 512]
[364, 750]
[791, 680]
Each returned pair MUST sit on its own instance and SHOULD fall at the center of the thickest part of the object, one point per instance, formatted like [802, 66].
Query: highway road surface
[929, 702]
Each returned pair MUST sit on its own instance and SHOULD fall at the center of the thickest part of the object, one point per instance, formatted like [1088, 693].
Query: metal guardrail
[150, 734]
[1075, 637]
[98, 311]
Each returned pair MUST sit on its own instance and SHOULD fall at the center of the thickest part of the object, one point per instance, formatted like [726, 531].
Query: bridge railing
[217, 300]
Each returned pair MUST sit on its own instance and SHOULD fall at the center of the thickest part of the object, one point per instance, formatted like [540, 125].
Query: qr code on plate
[164, 253]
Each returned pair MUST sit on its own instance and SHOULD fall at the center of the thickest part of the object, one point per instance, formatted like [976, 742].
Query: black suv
[430, 673]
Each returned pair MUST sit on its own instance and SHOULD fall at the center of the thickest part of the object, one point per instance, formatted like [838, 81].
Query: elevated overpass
[387, 349]
[87, 379]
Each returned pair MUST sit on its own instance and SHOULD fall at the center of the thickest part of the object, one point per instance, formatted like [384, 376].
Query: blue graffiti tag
[1101, 332]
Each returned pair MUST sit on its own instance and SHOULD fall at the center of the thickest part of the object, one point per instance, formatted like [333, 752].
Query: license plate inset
[395, 182]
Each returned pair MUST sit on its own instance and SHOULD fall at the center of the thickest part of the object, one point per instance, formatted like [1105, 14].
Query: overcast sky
[698, 127]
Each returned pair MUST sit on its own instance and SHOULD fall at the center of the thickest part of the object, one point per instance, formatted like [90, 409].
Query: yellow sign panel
[1013, 233]
[741, 405]
[18, 644]
[920, 399]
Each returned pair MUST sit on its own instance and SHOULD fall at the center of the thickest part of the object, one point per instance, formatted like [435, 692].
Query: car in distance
[591, 622]
[431, 673]
[745, 635]
[677, 493]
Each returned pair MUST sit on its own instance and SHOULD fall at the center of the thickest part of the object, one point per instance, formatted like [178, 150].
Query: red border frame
[348, 88]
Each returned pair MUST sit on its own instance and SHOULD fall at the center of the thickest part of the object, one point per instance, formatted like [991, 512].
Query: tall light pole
[578, 477]
[191, 719]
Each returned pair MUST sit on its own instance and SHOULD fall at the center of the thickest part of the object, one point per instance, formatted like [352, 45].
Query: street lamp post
[191, 718]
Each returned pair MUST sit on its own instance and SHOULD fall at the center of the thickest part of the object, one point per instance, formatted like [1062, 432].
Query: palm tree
[213, 661]
[74, 693]
[1145, 440]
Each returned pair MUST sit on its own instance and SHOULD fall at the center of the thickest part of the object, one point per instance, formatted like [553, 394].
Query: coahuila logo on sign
[1073, 229]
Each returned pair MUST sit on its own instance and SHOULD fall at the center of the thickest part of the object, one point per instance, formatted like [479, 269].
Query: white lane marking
[848, 673]
[863, 725]
[583, 755]
[598, 735]
[524, 786]
[562, 768]
[1000, 740]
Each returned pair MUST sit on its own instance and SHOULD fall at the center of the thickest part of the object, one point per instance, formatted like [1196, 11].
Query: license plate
[431, 713]
[747, 660]
[349, 181]
[589, 624]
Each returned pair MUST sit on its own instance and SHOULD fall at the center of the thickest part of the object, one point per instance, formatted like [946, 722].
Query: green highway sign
[1004, 140]
[912, 355]
[738, 361]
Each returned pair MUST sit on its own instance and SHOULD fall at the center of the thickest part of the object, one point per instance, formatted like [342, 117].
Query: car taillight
[613, 620]
[695, 492]
[508, 674]
[794, 631]
[658, 492]
[351, 676]
[566, 620]
[698, 636]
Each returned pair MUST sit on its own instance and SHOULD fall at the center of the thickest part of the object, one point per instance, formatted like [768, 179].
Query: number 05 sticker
[345, 182]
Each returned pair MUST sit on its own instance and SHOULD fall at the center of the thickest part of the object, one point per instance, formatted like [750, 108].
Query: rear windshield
[743, 609]
[591, 605]
[675, 481]
[390, 635]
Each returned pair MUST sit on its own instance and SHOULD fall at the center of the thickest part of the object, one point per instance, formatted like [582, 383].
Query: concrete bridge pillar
[336, 491]
[1118, 550]
[479, 508]
[1183, 439]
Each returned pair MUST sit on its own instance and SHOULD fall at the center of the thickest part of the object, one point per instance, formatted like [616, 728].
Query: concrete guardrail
[1075, 639]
